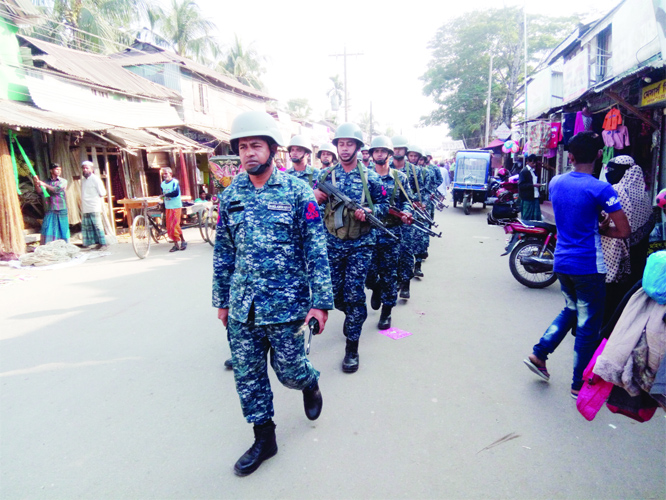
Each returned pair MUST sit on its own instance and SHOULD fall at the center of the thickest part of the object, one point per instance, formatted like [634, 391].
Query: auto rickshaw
[471, 183]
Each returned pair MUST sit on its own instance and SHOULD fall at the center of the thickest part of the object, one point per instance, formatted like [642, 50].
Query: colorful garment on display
[568, 125]
[618, 139]
[555, 135]
[538, 134]
[583, 123]
[608, 154]
[612, 120]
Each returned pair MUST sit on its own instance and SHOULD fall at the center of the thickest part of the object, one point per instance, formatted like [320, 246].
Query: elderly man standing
[56, 220]
[173, 207]
[92, 192]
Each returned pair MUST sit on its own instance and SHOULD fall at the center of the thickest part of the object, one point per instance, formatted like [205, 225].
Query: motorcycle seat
[545, 225]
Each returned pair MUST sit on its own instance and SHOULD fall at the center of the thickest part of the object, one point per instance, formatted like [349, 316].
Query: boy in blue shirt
[578, 199]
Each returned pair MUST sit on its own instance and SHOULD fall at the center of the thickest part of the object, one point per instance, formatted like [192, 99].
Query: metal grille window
[603, 62]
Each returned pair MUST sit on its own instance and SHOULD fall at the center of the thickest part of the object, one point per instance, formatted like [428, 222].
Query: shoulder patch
[312, 212]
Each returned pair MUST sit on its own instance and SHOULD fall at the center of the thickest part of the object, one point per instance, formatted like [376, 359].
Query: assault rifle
[422, 214]
[419, 226]
[345, 202]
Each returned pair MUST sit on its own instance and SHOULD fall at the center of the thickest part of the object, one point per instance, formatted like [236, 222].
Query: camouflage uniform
[406, 259]
[383, 273]
[350, 259]
[269, 268]
[425, 183]
[310, 175]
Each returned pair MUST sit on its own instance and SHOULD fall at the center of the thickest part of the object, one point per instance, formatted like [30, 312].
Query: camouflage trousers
[383, 273]
[250, 346]
[349, 268]
[406, 254]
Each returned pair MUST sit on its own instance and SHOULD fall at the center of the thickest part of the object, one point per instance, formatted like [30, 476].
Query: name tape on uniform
[280, 207]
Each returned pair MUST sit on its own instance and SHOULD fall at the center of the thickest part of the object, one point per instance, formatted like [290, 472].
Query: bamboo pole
[12, 239]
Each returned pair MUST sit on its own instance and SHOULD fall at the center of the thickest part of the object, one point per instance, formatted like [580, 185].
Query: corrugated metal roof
[97, 69]
[219, 134]
[134, 57]
[154, 139]
[15, 114]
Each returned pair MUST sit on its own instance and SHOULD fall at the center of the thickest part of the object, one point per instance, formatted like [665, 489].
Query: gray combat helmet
[299, 140]
[400, 141]
[254, 124]
[349, 131]
[327, 146]
[381, 141]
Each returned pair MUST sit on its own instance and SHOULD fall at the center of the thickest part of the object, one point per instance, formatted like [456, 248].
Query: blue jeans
[584, 297]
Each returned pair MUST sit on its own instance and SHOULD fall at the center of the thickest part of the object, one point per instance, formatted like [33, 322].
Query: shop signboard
[576, 75]
[654, 94]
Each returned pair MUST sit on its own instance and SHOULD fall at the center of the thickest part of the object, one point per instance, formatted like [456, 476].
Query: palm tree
[90, 25]
[184, 29]
[243, 63]
[299, 108]
[336, 93]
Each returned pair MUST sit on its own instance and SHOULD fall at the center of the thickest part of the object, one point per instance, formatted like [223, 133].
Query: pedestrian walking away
[56, 218]
[270, 277]
[173, 207]
[578, 199]
[350, 240]
[92, 193]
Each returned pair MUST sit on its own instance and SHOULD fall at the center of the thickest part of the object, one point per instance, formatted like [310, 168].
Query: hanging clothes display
[568, 125]
[538, 134]
[612, 120]
[618, 138]
[583, 121]
[555, 135]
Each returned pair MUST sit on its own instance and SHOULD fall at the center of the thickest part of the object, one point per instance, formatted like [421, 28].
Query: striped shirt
[57, 199]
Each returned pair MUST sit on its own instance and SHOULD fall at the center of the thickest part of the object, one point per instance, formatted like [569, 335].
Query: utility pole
[490, 86]
[371, 120]
[344, 56]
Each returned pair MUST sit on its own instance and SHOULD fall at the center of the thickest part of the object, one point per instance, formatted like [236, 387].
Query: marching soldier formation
[290, 246]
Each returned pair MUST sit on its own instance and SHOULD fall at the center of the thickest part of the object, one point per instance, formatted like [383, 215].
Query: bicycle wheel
[211, 227]
[203, 216]
[141, 236]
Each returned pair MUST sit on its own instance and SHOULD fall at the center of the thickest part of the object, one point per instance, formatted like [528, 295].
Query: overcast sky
[298, 38]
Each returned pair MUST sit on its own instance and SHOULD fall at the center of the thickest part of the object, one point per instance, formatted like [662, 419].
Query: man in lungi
[56, 221]
[173, 209]
[92, 192]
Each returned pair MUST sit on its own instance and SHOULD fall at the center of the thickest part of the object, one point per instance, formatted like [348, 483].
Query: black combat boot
[312, 401]
[375, 300]
[229, 364]
[350, 363]
[417, 270]
[385, 318]
[264, 447]
[404, 290]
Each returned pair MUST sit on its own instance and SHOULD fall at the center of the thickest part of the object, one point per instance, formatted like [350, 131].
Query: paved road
[112, 386]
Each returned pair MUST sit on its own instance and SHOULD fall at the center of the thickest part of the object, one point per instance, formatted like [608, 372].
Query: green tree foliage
[243, 63]
[336, 93]
[457, 75]
[183, 28]
[368, 125]
[299, 108]
[89, 25]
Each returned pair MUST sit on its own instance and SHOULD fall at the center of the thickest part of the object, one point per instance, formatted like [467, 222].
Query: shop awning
[219, 134]
[179, 141]
[15, 114]
[494, 144]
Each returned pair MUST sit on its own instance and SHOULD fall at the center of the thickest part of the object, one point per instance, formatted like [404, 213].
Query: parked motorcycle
[532, 250]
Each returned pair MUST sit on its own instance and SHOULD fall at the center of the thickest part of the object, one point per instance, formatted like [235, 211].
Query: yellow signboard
[653, 94]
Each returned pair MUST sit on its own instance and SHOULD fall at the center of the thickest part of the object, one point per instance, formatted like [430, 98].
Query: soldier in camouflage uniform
[271, 275]
[383, 275]
[327, 154]
[299, 153]
[406, 260]
[350, 248]
[425, 185]
[366, 157]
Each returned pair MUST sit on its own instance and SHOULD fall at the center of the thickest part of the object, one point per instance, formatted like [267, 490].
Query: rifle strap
[416, 181]
[399, 184]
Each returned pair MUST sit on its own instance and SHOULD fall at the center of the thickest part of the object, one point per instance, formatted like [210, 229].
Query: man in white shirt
[92, 192]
